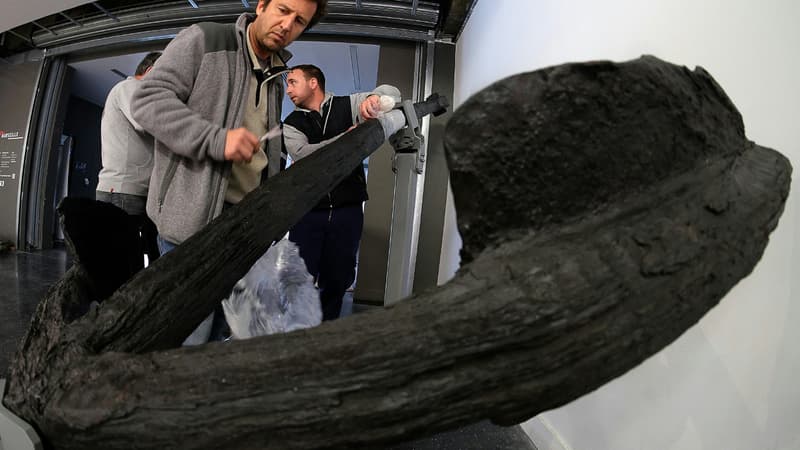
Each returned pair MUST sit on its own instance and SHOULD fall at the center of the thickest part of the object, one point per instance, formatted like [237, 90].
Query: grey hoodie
[127, 150]
[194, 94]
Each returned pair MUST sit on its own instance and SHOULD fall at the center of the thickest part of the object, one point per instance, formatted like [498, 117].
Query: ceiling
[19, 12]
[66, 26]
[28, 25]
[92, 79]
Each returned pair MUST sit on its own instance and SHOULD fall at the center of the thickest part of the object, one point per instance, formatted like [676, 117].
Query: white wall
[731, 382]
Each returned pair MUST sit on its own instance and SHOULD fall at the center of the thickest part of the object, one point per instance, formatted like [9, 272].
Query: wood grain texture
[593, 242]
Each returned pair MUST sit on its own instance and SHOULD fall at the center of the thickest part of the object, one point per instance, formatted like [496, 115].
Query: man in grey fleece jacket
[216, 88]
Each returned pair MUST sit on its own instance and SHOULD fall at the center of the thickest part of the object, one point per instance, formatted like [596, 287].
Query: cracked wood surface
[553, 303]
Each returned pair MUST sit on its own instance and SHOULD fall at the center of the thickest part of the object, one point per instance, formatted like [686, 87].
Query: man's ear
[313, 83]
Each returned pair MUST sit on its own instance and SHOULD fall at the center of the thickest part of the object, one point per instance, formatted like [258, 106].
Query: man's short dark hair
[311, 71]
[322, 9]
[147, 62]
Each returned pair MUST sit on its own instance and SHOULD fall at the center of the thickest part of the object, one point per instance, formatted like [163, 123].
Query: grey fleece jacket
[194, 94]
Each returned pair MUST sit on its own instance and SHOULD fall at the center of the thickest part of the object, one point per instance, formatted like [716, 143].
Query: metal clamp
[409, 139]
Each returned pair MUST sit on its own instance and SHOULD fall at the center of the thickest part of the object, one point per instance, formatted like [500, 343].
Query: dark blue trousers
[328, 242]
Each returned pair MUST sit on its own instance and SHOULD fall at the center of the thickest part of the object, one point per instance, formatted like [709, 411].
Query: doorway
[69, 137]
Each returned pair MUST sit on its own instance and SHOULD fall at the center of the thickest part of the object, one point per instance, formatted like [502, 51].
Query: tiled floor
[25, 278]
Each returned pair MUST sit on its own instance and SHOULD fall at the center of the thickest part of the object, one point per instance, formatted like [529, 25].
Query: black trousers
[328, 243]
[145, 243]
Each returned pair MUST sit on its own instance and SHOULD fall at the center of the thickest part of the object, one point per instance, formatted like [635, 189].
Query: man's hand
[240, 145]
[370, 107]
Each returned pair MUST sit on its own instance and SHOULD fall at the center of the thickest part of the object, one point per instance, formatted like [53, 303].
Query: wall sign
[9, 156]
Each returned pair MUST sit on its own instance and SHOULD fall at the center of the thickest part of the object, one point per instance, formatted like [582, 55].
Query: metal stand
[408, 165]
[15, 433]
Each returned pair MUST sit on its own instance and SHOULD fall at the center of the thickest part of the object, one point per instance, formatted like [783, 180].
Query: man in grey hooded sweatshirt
[127, 155]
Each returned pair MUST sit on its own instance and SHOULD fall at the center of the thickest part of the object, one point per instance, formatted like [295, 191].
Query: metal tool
[272, 133]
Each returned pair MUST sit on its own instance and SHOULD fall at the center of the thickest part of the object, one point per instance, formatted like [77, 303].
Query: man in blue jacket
[328, 236]
[127, 155]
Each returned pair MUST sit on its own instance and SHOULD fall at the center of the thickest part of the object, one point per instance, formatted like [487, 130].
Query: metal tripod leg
[408, 165]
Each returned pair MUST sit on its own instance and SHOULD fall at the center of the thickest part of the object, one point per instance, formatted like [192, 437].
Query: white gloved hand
[387, 104]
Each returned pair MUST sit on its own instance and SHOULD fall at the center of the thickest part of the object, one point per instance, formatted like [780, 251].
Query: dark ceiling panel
[407, 19]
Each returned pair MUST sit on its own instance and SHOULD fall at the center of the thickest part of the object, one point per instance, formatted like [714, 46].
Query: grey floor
[25, 278]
